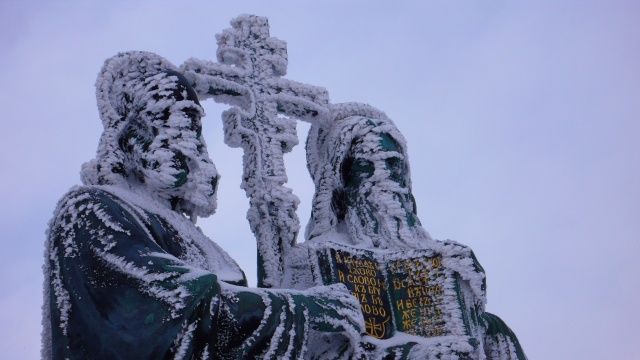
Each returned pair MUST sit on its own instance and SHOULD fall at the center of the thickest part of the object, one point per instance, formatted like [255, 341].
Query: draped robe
[129, 279]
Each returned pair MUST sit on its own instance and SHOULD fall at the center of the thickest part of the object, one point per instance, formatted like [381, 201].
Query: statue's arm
[500, 341]
[114, 292]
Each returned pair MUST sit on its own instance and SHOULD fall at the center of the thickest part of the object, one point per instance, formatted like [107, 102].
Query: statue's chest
[173, 242]
[187, 243]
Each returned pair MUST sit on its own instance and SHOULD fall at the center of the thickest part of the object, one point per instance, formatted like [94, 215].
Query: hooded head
[363, 188]
[152, 137]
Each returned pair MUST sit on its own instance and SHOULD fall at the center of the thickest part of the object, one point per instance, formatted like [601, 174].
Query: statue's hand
[392, 348]
[333, 309]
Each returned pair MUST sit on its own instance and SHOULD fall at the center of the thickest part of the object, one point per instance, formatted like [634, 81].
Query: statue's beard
[382, 216]
[187, 182]
[199, 191]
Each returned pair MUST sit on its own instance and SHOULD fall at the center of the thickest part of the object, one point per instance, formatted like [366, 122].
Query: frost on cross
[128, 274]
[249, 77]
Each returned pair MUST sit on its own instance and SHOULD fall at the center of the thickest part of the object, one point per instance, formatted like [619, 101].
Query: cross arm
[300, 101]
[223, 83]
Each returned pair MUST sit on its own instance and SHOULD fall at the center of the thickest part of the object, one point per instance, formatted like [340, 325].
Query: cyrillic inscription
[397, 291]
[362, 276]
[417, 289]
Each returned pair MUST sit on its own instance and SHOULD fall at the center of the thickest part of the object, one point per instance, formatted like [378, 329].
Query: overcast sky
[521, 119]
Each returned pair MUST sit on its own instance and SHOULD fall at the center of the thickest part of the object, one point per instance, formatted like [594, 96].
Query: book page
[362, 276]
[417, 295]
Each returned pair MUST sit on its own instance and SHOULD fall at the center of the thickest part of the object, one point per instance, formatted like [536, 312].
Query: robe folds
[127, 278]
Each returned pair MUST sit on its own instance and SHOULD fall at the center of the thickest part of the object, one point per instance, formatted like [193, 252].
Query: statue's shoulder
[81, 204]
[93, 191]
[82, 196]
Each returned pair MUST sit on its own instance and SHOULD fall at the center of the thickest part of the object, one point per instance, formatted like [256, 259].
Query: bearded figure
[360, 168]
[363, 199]
[127, 272]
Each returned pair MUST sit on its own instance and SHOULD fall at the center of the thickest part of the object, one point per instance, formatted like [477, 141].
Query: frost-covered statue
[363, 200]
[127, 272]
[129, 275]
[420, 298]
[363, 190]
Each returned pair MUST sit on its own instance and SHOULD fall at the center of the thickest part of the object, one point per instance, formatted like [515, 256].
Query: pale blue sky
[521, 119]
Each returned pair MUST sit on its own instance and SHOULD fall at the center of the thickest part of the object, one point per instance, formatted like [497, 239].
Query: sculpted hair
[119, 83]
[152, 134]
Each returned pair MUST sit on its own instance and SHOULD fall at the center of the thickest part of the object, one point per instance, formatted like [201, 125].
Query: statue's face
[379, 205]
[167, 151]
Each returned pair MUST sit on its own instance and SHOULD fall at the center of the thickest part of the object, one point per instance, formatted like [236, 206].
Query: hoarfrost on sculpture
[129, 275]
[126, 265]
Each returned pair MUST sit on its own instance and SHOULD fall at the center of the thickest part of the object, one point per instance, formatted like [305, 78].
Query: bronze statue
[130, 275]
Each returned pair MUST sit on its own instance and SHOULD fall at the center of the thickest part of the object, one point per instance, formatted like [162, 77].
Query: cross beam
[248, 76]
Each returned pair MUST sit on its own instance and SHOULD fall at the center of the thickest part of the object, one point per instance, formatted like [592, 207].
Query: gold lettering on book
[419, 295]
[363, 278]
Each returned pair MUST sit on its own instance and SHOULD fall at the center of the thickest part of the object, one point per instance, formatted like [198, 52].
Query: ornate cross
[249, 77]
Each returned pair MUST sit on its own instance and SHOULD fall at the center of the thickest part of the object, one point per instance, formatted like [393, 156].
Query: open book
[407, 291]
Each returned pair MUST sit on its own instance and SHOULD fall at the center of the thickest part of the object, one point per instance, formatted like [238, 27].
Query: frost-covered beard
[380, 210]
[379, 217]
[184, 178]
[170, 158]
